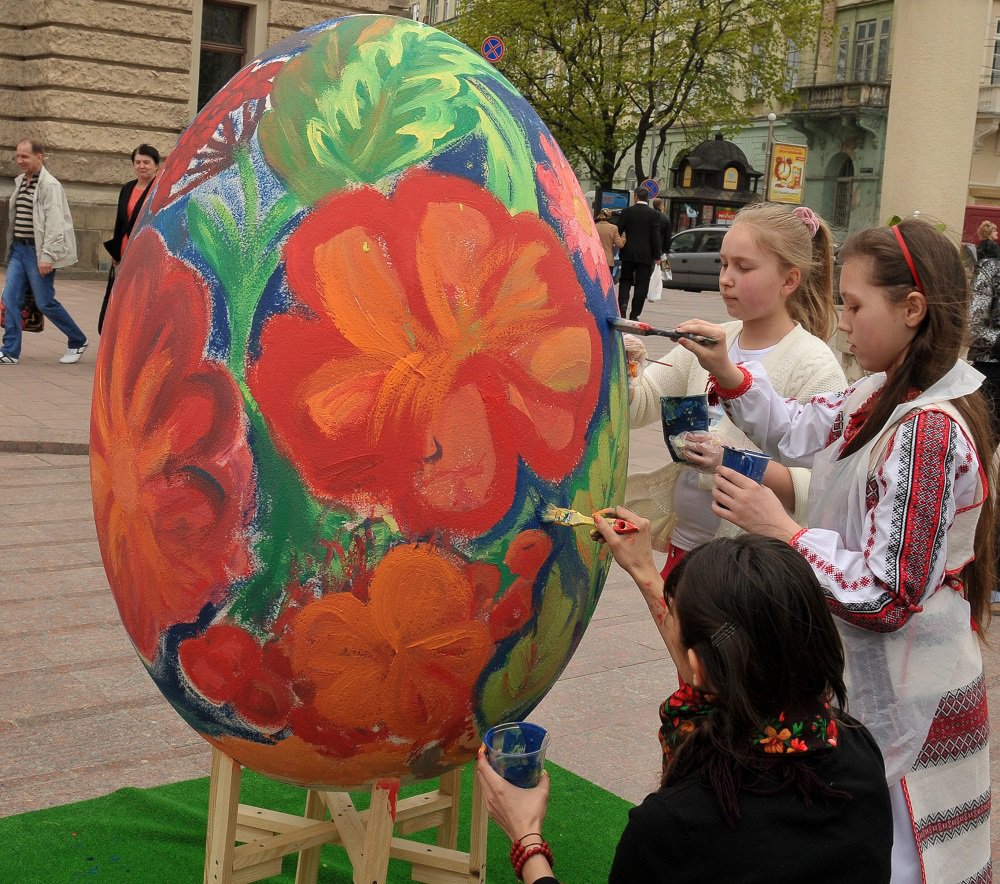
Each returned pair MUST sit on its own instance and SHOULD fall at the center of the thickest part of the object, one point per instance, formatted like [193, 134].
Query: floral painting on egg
[358, 340]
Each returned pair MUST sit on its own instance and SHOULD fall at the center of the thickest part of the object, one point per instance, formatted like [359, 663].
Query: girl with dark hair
[763, 776]
[901, 530]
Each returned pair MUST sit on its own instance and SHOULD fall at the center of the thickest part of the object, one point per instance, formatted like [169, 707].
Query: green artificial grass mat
[158, 835]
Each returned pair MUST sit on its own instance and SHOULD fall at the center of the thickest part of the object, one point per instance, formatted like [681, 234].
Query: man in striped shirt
[40, 240]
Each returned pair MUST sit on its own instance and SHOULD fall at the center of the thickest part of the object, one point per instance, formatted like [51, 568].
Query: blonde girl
[901, 531]
[777, 283]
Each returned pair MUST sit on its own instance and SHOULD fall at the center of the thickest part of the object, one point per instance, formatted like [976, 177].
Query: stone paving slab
[79, 717]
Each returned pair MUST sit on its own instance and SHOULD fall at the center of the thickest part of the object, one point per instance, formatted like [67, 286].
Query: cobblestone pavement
[79, 717]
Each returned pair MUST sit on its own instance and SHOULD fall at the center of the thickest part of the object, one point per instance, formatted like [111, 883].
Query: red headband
[908, 257]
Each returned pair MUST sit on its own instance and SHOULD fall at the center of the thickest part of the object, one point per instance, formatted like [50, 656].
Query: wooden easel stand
[267, 836]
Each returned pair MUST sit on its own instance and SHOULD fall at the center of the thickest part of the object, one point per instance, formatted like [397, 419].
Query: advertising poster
[787, 173]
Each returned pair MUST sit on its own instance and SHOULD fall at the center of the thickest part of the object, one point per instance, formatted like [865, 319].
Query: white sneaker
[73, 355]
[7, 360]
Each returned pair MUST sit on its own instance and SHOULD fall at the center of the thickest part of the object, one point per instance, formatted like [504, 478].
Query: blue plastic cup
[680, 414]
[516, 751]
[750, 463]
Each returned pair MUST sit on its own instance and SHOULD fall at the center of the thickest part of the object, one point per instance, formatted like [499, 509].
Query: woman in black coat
[146, 162]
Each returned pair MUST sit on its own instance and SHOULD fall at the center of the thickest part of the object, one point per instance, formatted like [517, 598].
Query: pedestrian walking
[640, 225]
[40, 240]
[146, 162]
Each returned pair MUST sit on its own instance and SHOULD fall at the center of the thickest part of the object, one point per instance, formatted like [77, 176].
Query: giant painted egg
[359, 339]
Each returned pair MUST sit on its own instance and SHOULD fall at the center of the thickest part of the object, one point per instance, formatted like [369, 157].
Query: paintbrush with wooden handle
[557, 515]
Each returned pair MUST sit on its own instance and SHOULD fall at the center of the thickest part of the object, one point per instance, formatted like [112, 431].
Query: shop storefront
[710, 184]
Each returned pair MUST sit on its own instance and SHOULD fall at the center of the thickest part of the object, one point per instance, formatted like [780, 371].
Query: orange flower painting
[407, 660]
[170, 467]
[437, 345]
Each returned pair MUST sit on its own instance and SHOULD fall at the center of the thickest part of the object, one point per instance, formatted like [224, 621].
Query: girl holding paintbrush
[764, 777]
[777, 284]
[901, 532]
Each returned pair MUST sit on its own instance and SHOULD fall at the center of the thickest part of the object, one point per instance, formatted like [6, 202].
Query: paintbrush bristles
[558, 515]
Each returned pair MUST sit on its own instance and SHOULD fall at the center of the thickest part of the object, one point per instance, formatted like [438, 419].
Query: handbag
[32, 319]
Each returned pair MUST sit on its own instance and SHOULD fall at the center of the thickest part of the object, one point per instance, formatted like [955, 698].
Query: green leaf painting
[374, 97]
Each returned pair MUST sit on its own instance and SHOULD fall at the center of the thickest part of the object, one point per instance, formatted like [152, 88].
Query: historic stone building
[899, 106]
[91, 79]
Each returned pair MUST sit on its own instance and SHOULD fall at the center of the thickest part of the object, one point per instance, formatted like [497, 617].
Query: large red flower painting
[439, 340]
[171, 470]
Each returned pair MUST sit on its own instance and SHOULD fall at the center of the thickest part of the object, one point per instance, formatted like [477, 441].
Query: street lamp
[771, 117]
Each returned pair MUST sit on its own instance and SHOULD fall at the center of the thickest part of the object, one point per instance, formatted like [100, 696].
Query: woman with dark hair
[146, 162]
[764, 777]
[902, 530]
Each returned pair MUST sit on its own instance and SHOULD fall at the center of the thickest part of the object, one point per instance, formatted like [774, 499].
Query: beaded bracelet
[526, 853]
[517, 852]
[517, 848]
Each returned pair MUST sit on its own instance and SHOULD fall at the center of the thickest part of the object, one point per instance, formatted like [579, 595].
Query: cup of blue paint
[516, 751]
[682, 414]
[750, 463]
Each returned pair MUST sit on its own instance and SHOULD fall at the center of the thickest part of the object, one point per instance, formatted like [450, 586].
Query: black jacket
[678, 835]
[123, 224]
[641, 226]
[666, 231]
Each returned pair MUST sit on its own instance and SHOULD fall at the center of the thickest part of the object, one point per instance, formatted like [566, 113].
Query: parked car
[694, 258]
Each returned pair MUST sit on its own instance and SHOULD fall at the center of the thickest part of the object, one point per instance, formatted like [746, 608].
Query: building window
[864, 50]
[843, 47]
[793, 59]
[757, 50]
[882, 68]
[432, 11]
[415, 12]
[995, 74]
[842, 195]
[224, 43]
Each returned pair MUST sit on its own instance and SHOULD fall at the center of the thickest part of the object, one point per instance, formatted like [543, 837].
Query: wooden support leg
[451, 785]
[307, 870]
[478, 830]
[267, 836]
[378, 832]
[223, 798]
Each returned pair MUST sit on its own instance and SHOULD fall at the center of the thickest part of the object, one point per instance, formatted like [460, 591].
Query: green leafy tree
[609, 76]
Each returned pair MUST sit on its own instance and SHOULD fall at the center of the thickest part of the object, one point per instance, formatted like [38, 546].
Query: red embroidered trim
[795, 537]
[732, 392]
[858, 418]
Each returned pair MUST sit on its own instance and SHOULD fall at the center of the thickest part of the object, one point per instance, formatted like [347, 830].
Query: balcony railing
[989, 99]
[840, 96]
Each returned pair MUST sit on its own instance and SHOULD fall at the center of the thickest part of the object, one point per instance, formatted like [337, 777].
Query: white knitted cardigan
[799, 366]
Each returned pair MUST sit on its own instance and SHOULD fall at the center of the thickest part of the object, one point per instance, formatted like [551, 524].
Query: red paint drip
[391, 787]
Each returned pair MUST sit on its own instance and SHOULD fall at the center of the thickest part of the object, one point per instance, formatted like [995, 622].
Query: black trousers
[633, 274]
